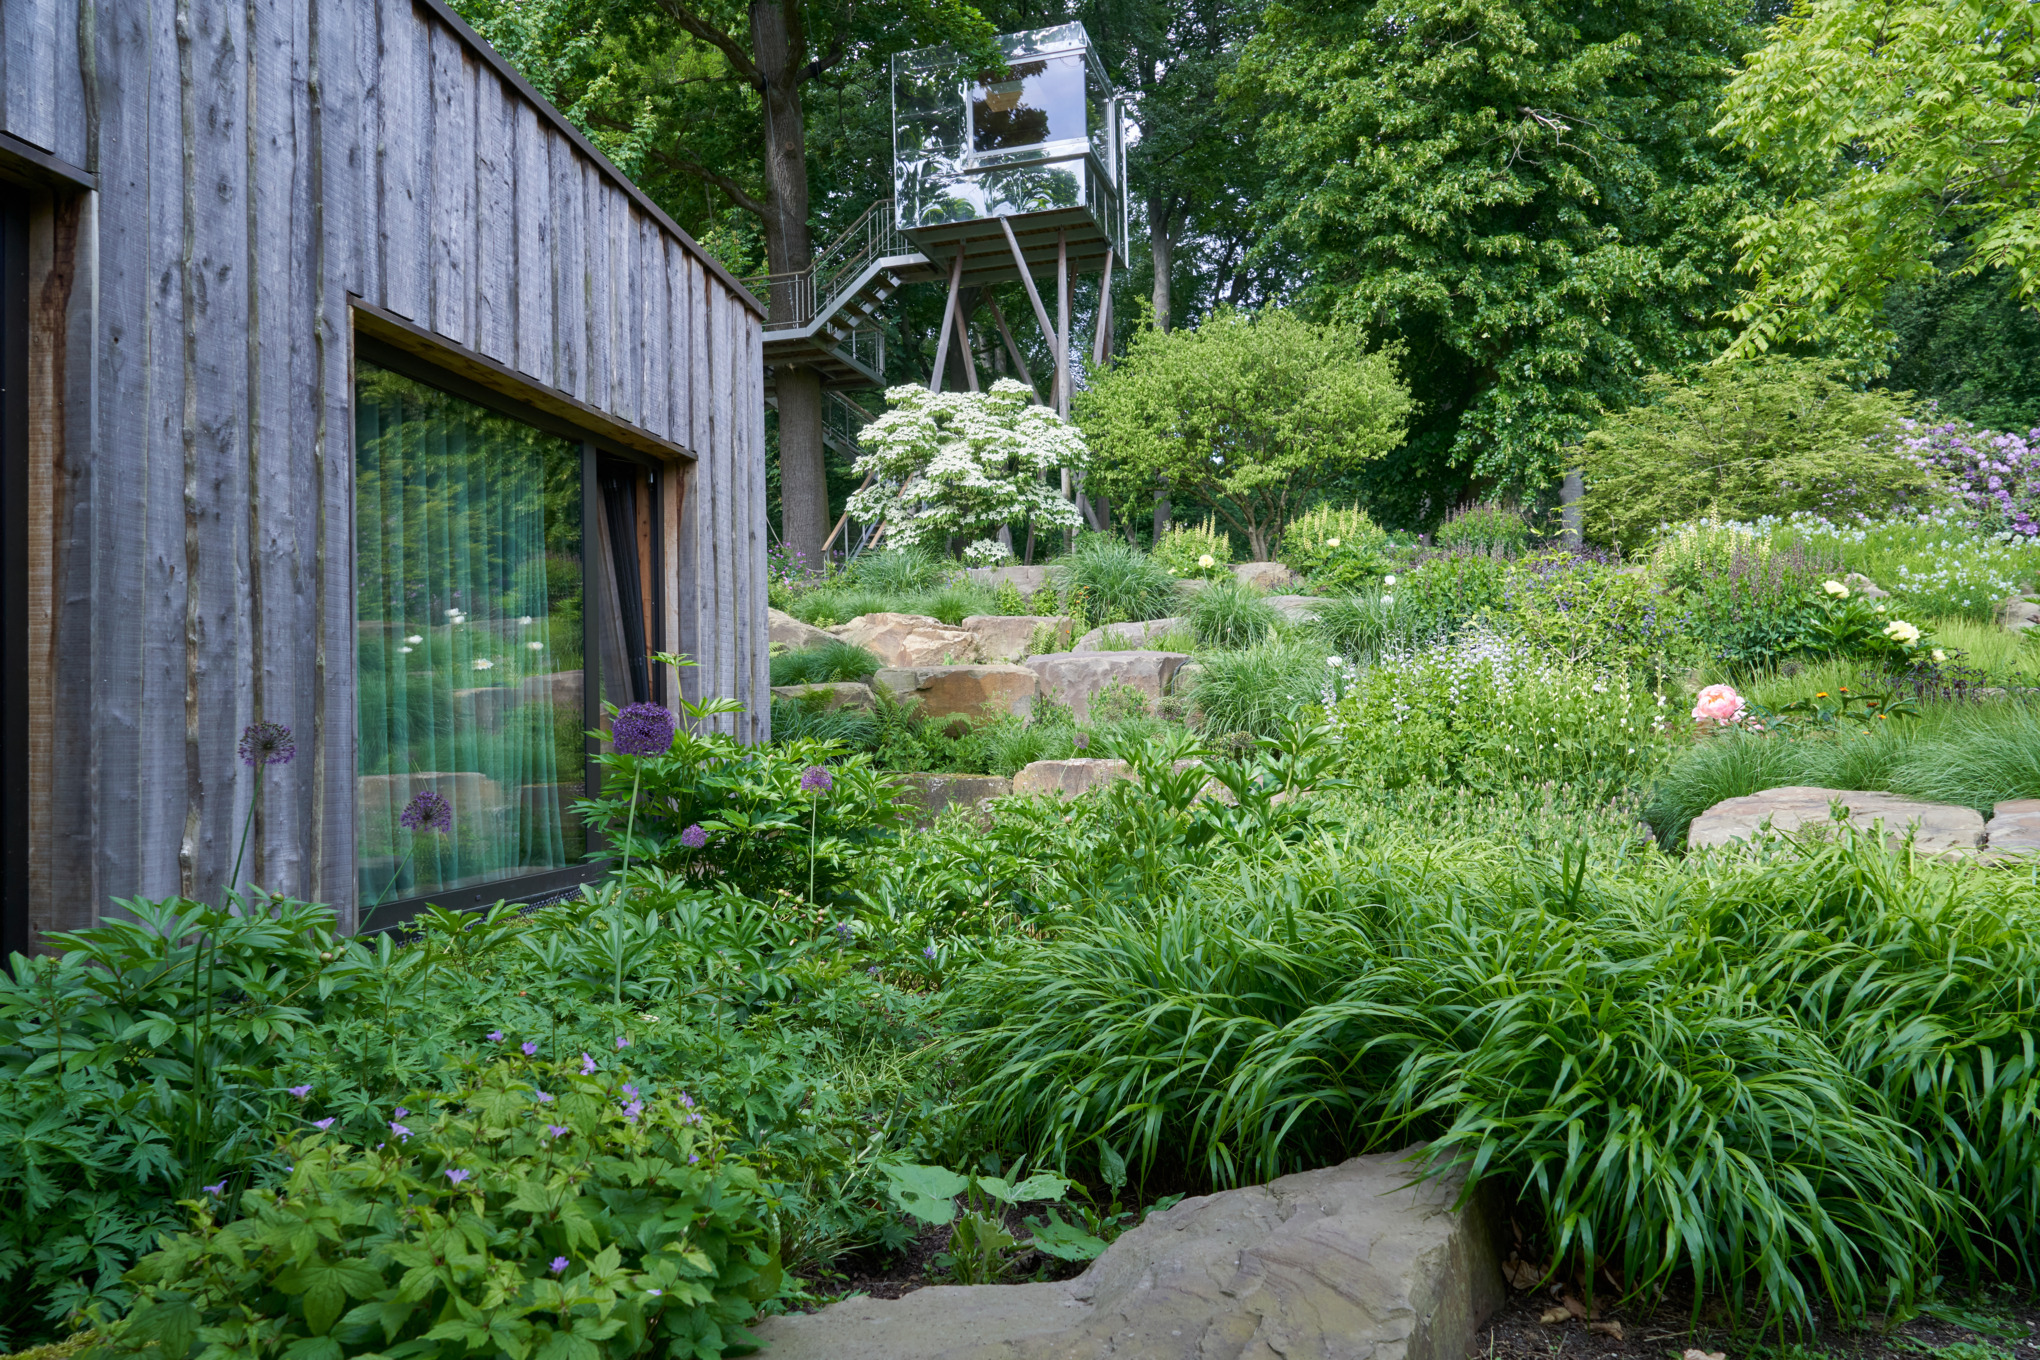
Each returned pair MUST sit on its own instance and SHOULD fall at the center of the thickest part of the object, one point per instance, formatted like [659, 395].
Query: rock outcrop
[1264, 575]
[1935, 828]
[964, 691]
[2013, 828]
[1027, 580]
[1010, 637]
[1075, 678]
[2018, 614]
[1344, 1263]
[839, 694]
[1069, 778]
[790, 633]
[1119, 636]
[909, 639]
[932, 794]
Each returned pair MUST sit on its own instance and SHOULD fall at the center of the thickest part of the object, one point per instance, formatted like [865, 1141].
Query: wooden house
[347, 388]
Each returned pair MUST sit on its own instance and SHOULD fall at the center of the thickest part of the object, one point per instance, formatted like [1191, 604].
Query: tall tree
[1526, 193]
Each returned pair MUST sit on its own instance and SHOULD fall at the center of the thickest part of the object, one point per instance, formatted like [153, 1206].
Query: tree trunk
[1162, 250]
[779, 49]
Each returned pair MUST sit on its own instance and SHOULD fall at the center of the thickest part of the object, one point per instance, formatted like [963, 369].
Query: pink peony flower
[1719, 702]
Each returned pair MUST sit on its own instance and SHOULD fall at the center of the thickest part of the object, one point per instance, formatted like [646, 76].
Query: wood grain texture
[261, 163]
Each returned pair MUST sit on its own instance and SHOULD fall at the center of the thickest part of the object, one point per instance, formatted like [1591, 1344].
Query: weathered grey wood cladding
[262, 166]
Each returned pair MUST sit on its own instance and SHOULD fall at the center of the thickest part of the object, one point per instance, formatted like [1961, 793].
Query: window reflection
[1041, 101]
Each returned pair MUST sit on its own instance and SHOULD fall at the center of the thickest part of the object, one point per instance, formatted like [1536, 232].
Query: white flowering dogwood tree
[961, 464]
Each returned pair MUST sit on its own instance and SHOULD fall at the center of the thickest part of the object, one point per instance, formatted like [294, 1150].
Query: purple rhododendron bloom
[816, 779]
[456, 1175]
[559, 1265]
[426, 811]
[694, 837]
[642, 730]
[266, 743]
[529, 1048]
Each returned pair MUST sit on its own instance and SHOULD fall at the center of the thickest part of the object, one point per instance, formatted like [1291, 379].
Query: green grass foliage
[1107, 580]
[819, 665]
[1231, 615]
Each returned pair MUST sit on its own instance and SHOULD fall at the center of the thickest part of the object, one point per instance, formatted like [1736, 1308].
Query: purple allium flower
[643, 730]
[266, 743]
[587, 1066]
[1082, 740]
[694, 837]
[456, 1175]
[816, 779]
[558, 1130]
[299, 1091]
[544, 1098]
[323, 1124]
[495, 1036]
[215, 1189]
[622, 1042]
[426, 811]
[530, 1048]
[559, 1265]
[399, 1130]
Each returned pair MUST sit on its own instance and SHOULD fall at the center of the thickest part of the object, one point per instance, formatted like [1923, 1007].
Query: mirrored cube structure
[1039, 143]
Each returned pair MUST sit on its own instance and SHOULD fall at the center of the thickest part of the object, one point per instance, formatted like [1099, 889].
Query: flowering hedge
[1995, 475]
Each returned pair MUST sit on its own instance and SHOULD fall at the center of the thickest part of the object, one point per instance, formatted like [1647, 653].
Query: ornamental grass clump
[534, 1210]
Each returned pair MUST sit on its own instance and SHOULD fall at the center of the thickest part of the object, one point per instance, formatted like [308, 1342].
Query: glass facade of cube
[1042, 135]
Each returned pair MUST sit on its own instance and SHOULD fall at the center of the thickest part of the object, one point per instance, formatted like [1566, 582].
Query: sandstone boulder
[1295, 608]
[839, 694]
[1075, 678]
[1010, 637]
[1118, 636]
[932, 794]
[1027, 580]
[1935, 828]
[964, 691]
[2014, 827]
[790, 633]
[909, 639]
[1865, 587]
[2018, 614]
[1264, 575]
[1069, 778]
[1345, 1263]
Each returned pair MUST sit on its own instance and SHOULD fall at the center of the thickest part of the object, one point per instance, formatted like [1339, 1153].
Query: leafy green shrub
[757, 829]
[1195, 551]
[1359, 628]
[819, 665]
[1589, 612]
[811, 719]
[1258, 690]
[1337, 547]
[1738, 440]
[536, 1210]
[1231, 615]
[1446, 594]
[1107, 580]
[1487, 527]
[1739, 595]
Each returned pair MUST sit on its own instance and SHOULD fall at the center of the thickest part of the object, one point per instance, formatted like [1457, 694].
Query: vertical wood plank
[751, 364]
[569, 269]
[654, 313]
[674, 377]
[29, 46]
[495, 258]
[597, 283]
[533, 246]
[349, 93]
[721, 378]
[452, 159]
[405, 137]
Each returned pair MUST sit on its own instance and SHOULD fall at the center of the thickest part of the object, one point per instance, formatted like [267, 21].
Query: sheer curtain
[468, 605]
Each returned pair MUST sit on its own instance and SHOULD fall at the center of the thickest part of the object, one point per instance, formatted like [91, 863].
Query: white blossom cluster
[964, 463]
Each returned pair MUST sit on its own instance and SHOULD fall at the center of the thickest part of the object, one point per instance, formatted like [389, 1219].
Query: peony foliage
[964, 464]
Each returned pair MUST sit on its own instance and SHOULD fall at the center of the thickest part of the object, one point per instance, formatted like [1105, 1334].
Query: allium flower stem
[630, 822]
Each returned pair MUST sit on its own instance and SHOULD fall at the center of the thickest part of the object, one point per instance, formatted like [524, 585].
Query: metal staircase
[826, 316]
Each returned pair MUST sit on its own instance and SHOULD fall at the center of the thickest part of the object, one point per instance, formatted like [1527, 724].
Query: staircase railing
[797, 297]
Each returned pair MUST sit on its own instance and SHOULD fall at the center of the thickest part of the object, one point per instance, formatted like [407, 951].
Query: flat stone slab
[1935, 828]
[931, 794]
[964, 691]
[1122, 636]
[1265, 575]
[1345, 1263]
[909, 639]
[2019, 613]
[1075, 678]
[1027, 580]
[1010, 637]
[840, 694]
[1295, 608]
[2014, 827]
[1069, 778]
[791, 633]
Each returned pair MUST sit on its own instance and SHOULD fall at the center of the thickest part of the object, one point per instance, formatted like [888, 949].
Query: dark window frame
[15, 928]
[547, 884]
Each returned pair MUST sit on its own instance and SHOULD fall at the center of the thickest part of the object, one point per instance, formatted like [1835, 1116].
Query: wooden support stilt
[830, 541]
[1101, 346]
[1033, 294]
[1062, 330]
[948, 321]
[1012, 346]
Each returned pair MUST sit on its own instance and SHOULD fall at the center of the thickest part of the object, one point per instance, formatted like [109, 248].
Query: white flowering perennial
[965, 463]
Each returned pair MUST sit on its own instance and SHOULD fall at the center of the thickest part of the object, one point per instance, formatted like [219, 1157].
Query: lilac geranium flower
[322, 1124]
[529, 1048]
[632, 1111]
[587, 1066]
[558, 1130]
[544, 1098]
[219, 1189]
[495, 1036]
[299, 1091]
[403, 1134]
[559, 1265]
[456, 1175]
[630, 1090]
[622, 1042]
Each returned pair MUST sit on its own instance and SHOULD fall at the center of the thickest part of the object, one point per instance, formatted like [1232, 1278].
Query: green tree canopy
[1764, 436]
[1525, 192]
[1901, 129]
[1250, 413]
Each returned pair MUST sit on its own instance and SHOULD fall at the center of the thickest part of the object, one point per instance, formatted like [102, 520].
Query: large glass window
[469, 580]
